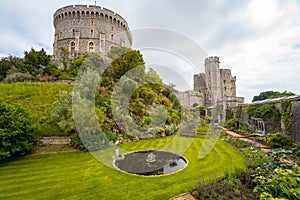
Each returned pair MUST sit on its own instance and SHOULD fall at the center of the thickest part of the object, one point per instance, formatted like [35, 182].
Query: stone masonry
[84, 28]
[215, 86]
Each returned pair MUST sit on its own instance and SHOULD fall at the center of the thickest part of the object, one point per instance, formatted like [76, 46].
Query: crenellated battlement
[89, 12]
[212, 59]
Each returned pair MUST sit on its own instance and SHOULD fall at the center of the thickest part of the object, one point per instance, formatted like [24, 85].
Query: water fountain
[150, 158]
[151, 162]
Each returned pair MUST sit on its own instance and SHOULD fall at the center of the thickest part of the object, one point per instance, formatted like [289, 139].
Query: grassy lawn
[37, 99]
[79, 175]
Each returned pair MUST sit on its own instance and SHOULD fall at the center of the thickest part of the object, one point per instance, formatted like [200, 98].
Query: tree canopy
[271, 95]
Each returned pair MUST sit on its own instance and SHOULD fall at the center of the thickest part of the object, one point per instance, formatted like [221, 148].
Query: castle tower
[213, 80]
[84, 28]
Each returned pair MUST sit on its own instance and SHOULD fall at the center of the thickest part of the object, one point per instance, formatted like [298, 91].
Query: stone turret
[213, 79]
[84, 28]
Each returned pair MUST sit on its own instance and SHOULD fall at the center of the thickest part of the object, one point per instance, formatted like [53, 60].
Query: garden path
[262, 147]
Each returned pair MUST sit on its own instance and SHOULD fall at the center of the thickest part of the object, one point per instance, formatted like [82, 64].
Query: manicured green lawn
[37, 99]
[78, 175]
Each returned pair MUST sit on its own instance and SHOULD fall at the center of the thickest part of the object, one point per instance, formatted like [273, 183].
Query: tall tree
[35, 61]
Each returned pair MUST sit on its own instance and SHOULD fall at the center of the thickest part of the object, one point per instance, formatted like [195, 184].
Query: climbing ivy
[239, 112]
[229, 114]
[268, 113]
[286, 115]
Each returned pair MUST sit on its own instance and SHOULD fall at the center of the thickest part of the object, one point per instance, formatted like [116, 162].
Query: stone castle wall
[83, 28]
[240, 111]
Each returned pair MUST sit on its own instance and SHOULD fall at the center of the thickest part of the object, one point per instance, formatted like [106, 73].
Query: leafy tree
[75, 66]
[126, 62]
[35, 62]
[5, 66]
[64, 52]
[271, 95]
[9, 65]
[116, 52]
[154, 80]
[17, 132]
[90, 60]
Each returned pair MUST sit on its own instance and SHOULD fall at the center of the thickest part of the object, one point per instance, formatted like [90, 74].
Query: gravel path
[263, 147]
[185, 196]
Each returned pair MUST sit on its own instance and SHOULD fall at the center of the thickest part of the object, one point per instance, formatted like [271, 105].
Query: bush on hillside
[17, 132]
[278, 140]
[18, 77]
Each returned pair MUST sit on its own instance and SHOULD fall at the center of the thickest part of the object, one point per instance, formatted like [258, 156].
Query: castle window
[112, 37]
[91, 47]
[72, 48]
[92, 23]
[102, 41]
[73, 33]
[112, 29]
[92, 33]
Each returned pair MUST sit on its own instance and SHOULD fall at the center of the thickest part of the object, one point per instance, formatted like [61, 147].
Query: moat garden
[202, 159]
[231, 170]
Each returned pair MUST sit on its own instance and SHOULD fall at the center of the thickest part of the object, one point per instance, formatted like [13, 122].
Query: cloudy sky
[258, 40]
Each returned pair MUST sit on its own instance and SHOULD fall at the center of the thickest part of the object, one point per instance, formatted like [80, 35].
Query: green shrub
[284, 183]
[91, 143]
[17, 132]
[278, 140]
[111, 136]
[18, 77]
[233, 124]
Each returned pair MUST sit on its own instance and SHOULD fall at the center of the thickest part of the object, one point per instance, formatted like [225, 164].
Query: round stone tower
[84, 28]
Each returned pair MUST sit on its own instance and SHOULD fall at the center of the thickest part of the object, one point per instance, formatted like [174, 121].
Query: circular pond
[150, 162]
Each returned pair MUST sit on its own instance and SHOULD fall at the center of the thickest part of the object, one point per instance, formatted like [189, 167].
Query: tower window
[92, 23]
[92, 33]
[91, 47]
[112, 28]
[102, 41]
[112, 37]
[73, 33]
[72, 48]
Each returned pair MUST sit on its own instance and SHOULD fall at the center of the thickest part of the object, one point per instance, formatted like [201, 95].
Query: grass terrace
[79, 175]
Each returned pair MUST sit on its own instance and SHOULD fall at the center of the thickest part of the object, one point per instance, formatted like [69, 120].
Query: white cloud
[268, 60]
[263, 13]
